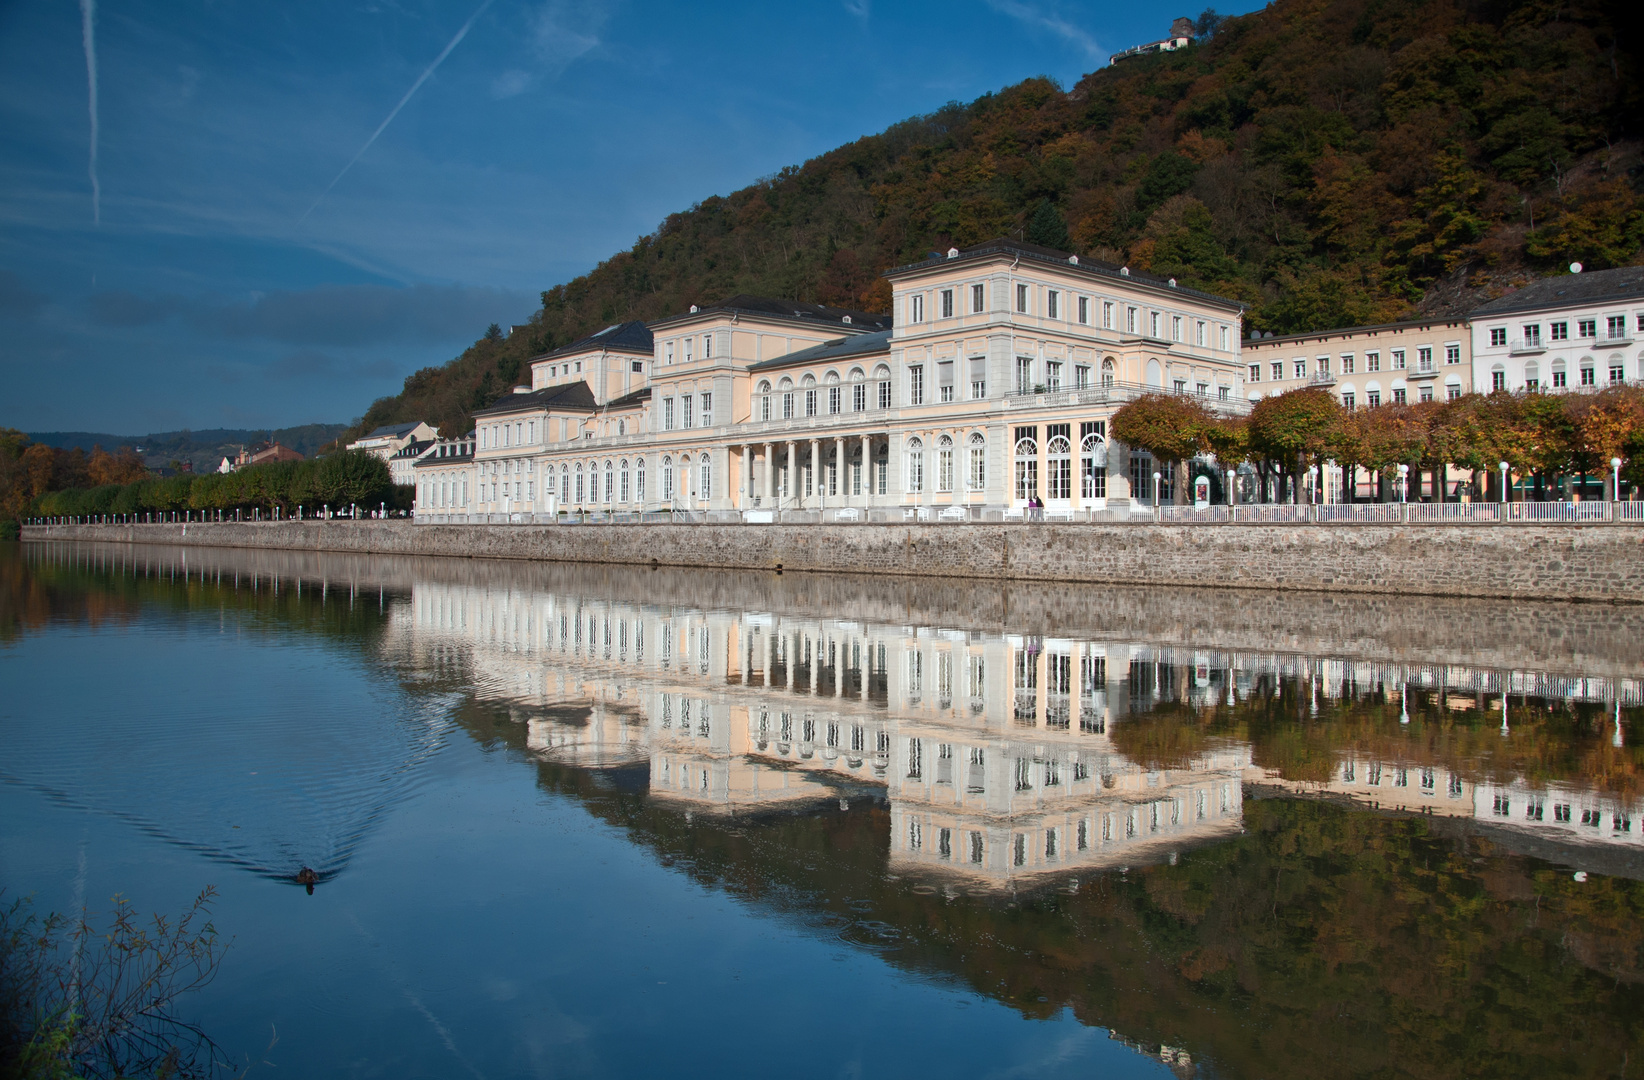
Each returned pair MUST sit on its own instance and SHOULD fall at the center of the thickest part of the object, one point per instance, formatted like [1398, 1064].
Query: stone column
[816, 474]
[770, 473]
[867, 470]
[839, 476]
[748, 476]
[793, 470]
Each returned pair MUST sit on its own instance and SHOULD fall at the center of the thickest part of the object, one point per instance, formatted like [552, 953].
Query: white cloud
[563, 31]
[510, 83]
[1032, 16]
[862, 9]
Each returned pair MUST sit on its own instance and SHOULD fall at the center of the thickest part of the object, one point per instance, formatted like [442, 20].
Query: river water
[602, 821]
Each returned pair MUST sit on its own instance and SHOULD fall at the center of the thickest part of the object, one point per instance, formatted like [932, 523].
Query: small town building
[390, 439]
[1572, 331]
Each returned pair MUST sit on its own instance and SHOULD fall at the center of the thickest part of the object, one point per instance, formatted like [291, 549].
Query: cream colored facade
[997, 383]
[1366, 366]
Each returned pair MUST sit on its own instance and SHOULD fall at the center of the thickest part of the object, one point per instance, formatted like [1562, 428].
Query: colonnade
[829, 472]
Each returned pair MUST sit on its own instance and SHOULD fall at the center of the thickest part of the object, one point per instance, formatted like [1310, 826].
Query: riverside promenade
[1585, 562]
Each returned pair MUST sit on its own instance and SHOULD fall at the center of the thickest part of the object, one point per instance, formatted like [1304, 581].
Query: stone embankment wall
[1547, 562]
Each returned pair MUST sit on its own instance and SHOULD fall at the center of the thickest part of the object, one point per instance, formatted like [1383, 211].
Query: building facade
[1366, 366]
[1570, 332]
[995, 385]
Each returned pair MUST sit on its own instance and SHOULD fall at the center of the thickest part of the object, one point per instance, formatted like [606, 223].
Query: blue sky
[233, 268]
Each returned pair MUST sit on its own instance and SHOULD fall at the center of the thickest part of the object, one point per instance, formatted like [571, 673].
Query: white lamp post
[1232, 492]
[1615, 473]
[1156, 477]
[1404, 482]
[1504, 468]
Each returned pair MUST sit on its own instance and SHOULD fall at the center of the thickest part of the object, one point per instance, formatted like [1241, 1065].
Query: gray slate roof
[642, 394]
[574, 397]
[632, 336]
[392, 430]
[837, 349]
[791, 309]
[1570, 290]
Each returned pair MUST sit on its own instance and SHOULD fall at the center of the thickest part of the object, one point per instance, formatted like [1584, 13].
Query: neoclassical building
[993, 382]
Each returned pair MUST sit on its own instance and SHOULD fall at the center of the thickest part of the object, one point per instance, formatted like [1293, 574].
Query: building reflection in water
[993, 750]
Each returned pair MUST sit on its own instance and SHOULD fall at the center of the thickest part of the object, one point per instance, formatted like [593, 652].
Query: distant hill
[204, 449]
[1329, 162]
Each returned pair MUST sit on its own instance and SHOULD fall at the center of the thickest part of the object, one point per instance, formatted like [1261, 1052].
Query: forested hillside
[1328, 161]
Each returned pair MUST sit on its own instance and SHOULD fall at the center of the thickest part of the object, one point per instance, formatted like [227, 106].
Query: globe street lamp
[1232, 492]
[1404, 482]
[1156, 490]
[1615, 472]
[1504, 467]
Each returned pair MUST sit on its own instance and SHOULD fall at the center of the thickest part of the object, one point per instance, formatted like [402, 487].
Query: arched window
[622, 427]
[1027, 469]
[565, 483]
[1107, 372]
[944, 463]
[859, 390]
[977, 474]
[579, 483]
[787, 399]
[667, 478]
[610, 478]
[1059, 466]
[705, 480]
[882, 376]
[1155, 374]
[639, 480]
[836, 395]
[809, 385]
[623, 473]
[1093, 467]
[685, 476]
[882, 468]
[916, 466]
[764, 400]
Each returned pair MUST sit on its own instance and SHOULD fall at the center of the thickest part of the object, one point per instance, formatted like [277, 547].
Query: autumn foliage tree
[1171, 427]
[1293, 430]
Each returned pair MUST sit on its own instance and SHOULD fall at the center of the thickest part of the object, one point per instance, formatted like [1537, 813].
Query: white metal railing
[1364, 513]
[1559, 511]
[1272, 513]
[1458, 513]
[1194, 515]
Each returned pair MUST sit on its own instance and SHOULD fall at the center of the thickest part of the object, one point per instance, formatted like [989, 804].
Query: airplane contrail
[396, 110]
[88, 35]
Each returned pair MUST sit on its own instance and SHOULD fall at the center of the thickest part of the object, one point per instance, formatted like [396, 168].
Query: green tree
[1047, 229]
[1171, 427]
[1293, 430]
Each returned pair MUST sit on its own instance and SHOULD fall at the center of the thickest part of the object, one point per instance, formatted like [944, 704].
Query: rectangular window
[1425, 393]
[707, 346]
[685, 404]
[1347, 402]
[1053, 376]
[978, 378]
[835, 400]
[688, 350]
[1558, 331]
[1616, 326]
[947, 303]
[916, 308]
[1278, 370]
[1107, 315]
[1452, 353]
[1053, 301]
[1452, 392]
[859, 397]
[1198, 334]
[1560, 379]
[1255, 373]
[1398, 359]
[1300, 368]
[1084, 309]
[1398, 395]
[787, 406]
[1532, 335]
[707, 419]
[1130, 320]
[667, 414]
[884, 396]
[1615, 373]
[1224, 333]
[1372, 398]
[1153, 318]
[1587, 327]
[1424, 358]
[1498, 335]
[978, 467]
[1081, 376]
[810, 402]
[1022, 299]
[944, 380]
[916, 385]
[976, 298]
[1324, 365]
[1024, 375]
[1347, 363]
[668, 353]
[1587, 376]
[1176, 328]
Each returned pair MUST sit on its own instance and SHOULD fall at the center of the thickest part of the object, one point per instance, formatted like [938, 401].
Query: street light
[1615, 472]
[1156, 491]
[1404, 482]
[1232, 492]
[1504, 468]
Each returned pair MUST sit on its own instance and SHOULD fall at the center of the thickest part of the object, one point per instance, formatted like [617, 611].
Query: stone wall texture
[1602, 563]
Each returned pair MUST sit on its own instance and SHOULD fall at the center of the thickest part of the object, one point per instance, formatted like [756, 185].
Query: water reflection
[1240, 831]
